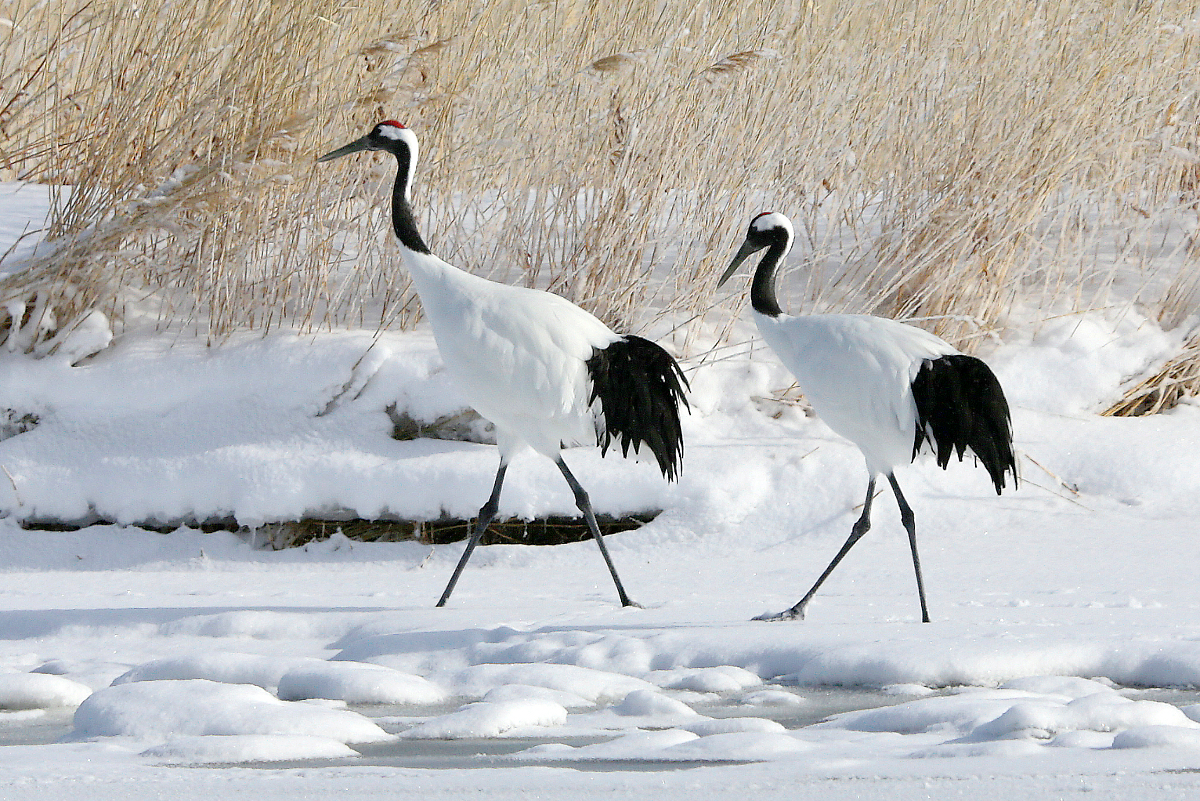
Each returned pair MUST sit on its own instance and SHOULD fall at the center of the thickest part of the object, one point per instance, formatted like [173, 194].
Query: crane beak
[355, 146]
[743, 253]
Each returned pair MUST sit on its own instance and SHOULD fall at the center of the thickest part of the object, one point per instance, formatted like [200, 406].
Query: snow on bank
[1054, 606]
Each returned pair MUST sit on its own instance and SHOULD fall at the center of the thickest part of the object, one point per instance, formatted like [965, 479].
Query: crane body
[546, 373]
[888, 387]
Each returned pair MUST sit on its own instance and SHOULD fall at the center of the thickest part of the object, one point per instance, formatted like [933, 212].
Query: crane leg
[585, 505]
[910, 525]
[856, 533]
[486, 513]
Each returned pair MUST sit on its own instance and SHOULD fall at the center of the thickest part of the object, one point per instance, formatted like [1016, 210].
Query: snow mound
[1158, 737]
[523, 692]
[1042, 718]
[1066, 686]
[741, 746]
[962, 712]
[230, 748]
[647, 703]
[490, 719]
[596, 686]
[772, 698]
[674, 745]
[357, 683]
[227, 668]
[158, 710]
[732, 725]
[1067, 712]
[642, 709]
[20, 691]
[721, 679]
[635, 746]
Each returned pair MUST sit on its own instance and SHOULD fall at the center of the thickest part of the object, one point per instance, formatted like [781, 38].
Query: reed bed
[958, 162]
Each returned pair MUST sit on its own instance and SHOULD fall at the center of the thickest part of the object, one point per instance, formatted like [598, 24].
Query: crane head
[384, 136]
[766, 228]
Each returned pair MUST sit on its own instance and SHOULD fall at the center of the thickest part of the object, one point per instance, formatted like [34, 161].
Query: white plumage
[545, 372]
[857, 372]
[885, 386]
[518, 355]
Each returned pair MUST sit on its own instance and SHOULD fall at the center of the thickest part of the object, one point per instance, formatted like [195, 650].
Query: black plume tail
[640, 389]
[960, 405]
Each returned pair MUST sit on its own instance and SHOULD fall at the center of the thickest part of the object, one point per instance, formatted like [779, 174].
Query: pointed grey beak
[743, 253]
[355, 146]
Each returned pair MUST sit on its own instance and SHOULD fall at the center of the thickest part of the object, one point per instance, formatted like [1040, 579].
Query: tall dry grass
[948, 161]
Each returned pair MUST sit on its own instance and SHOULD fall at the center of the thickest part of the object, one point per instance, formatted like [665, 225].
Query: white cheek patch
[392, 132]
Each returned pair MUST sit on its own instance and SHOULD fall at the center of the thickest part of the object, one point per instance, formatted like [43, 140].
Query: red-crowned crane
[887, 387]
[545, 372]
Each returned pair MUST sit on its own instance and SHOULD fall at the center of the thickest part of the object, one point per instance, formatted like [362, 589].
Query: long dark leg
[856, 533]
[585, 505]
[910, 525]
[486, 513]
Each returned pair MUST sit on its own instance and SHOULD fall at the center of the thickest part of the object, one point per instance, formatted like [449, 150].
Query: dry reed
[945, 160]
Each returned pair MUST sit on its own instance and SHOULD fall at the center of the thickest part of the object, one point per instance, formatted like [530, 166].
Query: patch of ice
[906, 689]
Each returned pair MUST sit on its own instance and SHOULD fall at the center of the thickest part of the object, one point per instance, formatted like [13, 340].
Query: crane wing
[519, 355]
[857, 372]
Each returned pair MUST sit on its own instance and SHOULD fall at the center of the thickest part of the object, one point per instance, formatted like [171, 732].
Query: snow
[197, 706]
[1063, 657]
[490, 719]
[357, 683]
[40, 691]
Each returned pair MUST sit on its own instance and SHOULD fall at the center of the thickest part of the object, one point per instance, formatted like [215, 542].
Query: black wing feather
[961, 405]
[640, 389]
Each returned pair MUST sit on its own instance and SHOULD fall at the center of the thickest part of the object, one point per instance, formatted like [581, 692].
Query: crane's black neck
[762, 289]
[403, 221]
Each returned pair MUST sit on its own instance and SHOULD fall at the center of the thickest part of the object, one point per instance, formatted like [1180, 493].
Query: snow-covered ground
[138, 665]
